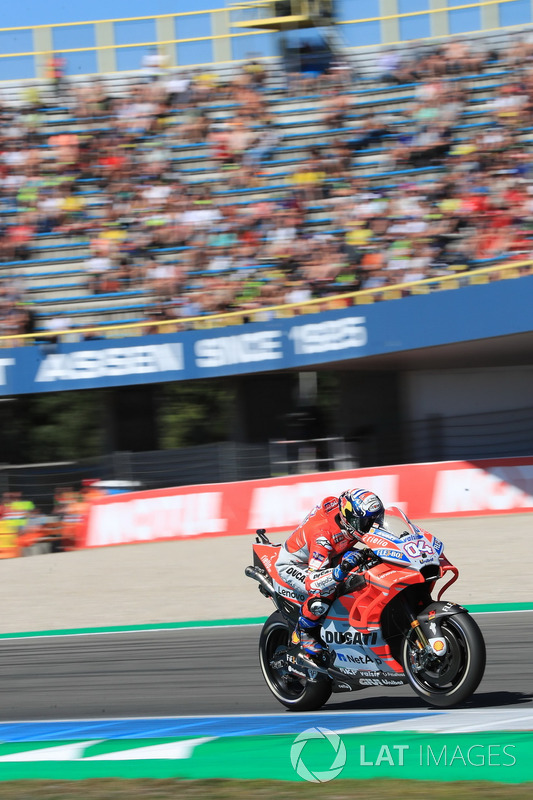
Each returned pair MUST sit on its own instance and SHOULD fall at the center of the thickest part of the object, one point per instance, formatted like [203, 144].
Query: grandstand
[54, 275]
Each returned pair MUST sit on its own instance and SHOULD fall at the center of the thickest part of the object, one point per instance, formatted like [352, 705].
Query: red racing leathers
[305, 559]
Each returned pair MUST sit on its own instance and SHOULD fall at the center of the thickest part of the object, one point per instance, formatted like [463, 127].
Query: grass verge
[260, 790]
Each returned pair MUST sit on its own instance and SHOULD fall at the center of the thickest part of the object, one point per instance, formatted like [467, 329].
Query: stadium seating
[54, 275]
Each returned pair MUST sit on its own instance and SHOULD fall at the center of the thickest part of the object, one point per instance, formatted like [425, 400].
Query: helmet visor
[367, 522]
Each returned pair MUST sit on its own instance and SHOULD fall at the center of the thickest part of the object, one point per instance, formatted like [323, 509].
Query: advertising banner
[276, 344]
[443, 489]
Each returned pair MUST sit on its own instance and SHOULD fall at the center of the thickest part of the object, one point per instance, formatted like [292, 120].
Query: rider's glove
[350, 560]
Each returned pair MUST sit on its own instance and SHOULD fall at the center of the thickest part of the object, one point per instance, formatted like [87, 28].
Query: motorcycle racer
[331, 529]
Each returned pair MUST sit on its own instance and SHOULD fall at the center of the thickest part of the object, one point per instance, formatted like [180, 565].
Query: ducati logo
[351, 637]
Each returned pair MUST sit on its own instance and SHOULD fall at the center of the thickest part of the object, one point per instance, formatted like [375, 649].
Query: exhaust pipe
[256, 575]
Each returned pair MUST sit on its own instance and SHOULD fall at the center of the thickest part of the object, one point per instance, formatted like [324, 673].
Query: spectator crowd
[203, 246]
[23, 525]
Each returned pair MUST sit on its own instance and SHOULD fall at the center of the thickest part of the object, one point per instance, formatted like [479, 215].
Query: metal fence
[436, 438]
[210, 463]
[471, 436]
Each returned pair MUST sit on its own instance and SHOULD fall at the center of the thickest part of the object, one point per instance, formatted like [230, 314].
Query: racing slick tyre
[295, 693]
[451, 679]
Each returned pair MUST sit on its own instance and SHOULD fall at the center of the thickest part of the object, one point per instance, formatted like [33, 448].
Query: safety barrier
[447, 489]
[440, 490]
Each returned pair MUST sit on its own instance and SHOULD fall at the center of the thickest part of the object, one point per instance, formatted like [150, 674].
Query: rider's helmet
[359, 510]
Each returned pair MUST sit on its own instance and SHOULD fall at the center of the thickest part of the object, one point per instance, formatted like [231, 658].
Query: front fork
[422, 641]
[426, 649]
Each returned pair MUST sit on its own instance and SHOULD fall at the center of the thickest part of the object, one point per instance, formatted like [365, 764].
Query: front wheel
[448, 680]
[296, 694]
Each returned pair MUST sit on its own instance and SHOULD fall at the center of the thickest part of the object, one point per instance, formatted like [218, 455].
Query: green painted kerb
[484, 608]
[152, 626]
[502, 757]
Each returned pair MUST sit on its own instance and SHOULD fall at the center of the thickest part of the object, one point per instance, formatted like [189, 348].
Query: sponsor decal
[323, 542]
[371, 538]
[367, 674]
[432, 614]
[388, 553]
[379, 682]
[437, 545]
[323, 582]
[375, 678]
[290, 594]
[331, 505]
[244, 348]
[364, 659]
[267, 561]
[389, 572]
[296, 573]
[351, 636]
[318, 556]
[322, 337]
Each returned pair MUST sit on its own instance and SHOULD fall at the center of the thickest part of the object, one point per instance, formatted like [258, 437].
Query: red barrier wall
[444, 489]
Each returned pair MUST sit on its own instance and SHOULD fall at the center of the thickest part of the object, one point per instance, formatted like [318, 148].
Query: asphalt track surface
[211, 671]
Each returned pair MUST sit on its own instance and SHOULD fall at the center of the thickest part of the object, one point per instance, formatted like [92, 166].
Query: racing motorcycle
[382, 629]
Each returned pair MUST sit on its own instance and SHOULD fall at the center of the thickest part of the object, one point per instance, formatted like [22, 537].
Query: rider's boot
[304, 635]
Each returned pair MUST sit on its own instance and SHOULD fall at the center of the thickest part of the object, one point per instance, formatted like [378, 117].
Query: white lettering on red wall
[147, 518]
[284, 506]
[479, 490]
[450, 489]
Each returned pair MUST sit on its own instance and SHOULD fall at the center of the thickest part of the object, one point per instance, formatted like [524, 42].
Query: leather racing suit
[304, 561]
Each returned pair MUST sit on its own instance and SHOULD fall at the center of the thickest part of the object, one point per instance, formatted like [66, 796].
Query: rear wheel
[295, 693]
[451, 679]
